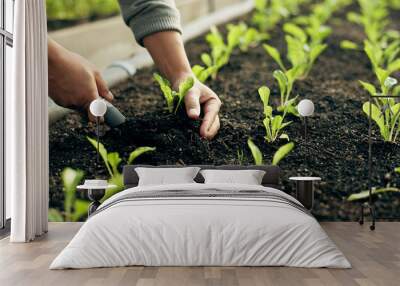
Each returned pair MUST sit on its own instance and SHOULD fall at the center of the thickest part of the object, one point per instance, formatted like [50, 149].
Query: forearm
[146, 17]
[168, 53]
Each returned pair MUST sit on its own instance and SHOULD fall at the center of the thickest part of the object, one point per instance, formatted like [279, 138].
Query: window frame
[6, 39]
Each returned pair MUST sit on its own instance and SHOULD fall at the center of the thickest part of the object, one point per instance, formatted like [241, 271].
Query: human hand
[199, 96]
[73, 81]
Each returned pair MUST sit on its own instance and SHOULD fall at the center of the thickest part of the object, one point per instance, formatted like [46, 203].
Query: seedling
[172, 97]
[383, 49]
[383, 58]
[250, 38]
[286, 81]
[280, 154]
[238, 36]
[385, 112]
[274, 125]
[302, 49]
[269, 13]
[74, 209]
[373, 18]
[112, 161]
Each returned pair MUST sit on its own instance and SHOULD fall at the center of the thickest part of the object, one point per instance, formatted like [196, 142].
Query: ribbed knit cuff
[143, 27]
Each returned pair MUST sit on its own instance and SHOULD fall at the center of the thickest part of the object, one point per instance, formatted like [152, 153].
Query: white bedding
[200, 231]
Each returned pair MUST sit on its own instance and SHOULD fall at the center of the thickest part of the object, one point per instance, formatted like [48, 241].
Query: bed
[201, 224]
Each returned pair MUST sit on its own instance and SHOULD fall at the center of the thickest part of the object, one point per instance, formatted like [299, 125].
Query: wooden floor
[375, 257]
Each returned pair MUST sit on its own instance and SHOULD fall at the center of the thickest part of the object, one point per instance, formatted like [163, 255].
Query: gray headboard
[271, 177]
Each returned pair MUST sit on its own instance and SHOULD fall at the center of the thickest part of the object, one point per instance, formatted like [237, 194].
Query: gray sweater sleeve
[146, 17]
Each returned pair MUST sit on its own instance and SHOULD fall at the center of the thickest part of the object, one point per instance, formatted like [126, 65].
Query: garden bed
[337, 145]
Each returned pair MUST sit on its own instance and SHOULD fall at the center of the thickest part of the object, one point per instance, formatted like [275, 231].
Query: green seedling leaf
[251, 38]
[297, 54]
[264, 93]
[235, 33]
[284, 136]
[167, 91]
[282, 152]
[202, 73]
[376, 115]
[214, 38]
[71, 178]
[394, 66]
[316, 52]
[114, 160]
[116, 180]
[103, 153]
[206, 59]
[282, 82]
[277, 123]
[374, 54]
[139, 151]
[255, 151]
[354, 17]
[198, 70]
[369, 87]
[184, 88]
[80, 209]
[396, 90]
[295, 31]
[274, 53]
[349, 45]
[260, 5]
[365, 194]
[382, 75]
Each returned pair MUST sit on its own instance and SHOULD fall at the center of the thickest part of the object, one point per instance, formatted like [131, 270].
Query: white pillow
[166, 176]
[248, 177]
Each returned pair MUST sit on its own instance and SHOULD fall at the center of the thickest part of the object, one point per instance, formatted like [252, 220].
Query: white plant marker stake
[305, 108]
[98, 108]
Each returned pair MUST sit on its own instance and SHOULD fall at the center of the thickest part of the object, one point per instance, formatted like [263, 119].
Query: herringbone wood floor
[375, 257]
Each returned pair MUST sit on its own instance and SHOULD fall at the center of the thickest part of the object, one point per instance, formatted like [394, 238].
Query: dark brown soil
[336, 149]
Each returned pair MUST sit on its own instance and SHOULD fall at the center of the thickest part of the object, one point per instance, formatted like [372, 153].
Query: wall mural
[262, 65]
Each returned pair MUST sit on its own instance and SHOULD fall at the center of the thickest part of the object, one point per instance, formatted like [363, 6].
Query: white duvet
[200, 231]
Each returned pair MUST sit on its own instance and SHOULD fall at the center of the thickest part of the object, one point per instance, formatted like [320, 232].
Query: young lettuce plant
[383, 60]
[172, 97]
[268, 13]
[373, 17]
[274, 125]
[385, 112]
[280, 154]
[112, 161]
[383, 49]
[74, 209]
[302, 49]
[220, 53]
[285, 81]
[305, 36]
[250, 37]
[239, 35]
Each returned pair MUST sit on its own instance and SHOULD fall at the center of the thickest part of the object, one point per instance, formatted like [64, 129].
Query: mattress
[201, 225]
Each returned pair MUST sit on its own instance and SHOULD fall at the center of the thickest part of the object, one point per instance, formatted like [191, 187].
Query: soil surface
[337, 145]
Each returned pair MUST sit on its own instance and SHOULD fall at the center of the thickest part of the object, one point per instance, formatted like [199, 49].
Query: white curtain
[27, 124]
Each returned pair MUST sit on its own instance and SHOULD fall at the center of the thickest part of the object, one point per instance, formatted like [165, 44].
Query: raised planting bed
[337, 145]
